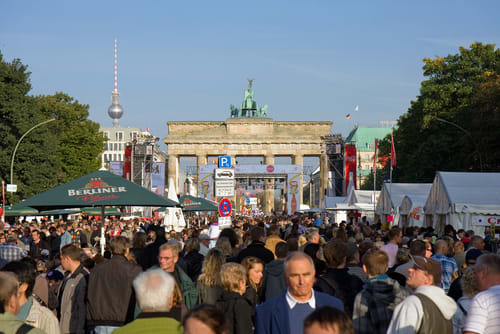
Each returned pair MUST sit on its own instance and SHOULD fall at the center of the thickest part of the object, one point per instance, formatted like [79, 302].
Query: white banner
[484, 220]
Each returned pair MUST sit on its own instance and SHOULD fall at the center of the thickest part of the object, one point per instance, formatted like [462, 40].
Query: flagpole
[393, 155]
[374, 178]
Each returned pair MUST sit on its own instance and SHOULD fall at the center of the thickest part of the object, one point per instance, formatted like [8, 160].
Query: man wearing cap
[429, 309]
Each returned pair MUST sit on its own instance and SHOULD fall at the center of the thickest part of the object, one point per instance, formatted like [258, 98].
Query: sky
[189, 60]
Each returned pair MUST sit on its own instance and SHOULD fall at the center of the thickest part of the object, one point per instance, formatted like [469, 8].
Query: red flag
[393, 152]
[375, 157]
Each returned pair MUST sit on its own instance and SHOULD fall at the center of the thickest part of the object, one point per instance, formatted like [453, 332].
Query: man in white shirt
[484, 312]
[428, 302]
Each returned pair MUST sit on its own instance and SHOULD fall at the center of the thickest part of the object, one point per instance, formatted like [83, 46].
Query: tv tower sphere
[115, 111]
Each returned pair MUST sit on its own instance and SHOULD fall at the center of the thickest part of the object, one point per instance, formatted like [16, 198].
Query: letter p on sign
[224, 161]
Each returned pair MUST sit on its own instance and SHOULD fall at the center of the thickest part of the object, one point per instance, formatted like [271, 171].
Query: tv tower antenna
[115, 111]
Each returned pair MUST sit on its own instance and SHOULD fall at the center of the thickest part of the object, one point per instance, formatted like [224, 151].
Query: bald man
[448, 265]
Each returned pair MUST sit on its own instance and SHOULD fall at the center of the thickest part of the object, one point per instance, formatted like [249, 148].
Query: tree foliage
[452, 124]
[50, 154]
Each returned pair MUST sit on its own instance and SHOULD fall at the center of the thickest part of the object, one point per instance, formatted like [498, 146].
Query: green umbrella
[101, 188]
[97, 211]
[191, 203]
[19, 210]
[59, 212]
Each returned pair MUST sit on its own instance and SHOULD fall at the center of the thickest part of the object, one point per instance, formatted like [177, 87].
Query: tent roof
[464, 192]
[392, 196]
[362, 197]
[332, 202]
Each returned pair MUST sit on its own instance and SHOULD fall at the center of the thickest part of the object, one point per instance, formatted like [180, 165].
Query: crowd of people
[264, 275]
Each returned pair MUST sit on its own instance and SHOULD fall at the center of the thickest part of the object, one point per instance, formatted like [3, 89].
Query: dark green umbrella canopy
[191, 203]
[19, 210]
[101, 188]
[97, 211]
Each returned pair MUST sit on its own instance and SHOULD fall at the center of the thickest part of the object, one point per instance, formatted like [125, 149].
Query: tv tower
[115, 111]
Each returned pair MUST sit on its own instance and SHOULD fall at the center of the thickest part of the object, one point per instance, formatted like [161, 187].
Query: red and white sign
[484, 220]
[270, 168]
[350, 165]
[225, 207]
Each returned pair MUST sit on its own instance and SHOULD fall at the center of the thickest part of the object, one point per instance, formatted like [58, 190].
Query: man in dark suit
[285, 313]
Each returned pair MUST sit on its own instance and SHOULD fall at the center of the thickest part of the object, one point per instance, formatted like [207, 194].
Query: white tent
[411, 209]
[464, 200]
[392, 196]
[173, 218]
[364, 201]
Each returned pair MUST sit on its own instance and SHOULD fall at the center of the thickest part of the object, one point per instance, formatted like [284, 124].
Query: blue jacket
[271, 317]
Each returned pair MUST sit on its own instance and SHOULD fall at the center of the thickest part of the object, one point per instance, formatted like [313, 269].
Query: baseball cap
[431, 266]
[55, 275]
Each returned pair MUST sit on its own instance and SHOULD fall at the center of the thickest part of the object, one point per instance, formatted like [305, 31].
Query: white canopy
[331, 202]
[363, 199]
[171, 195]
[391, 197]
[416, 198]
[462, 192]
[464, 200]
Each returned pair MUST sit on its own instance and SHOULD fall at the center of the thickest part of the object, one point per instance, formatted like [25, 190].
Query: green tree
[79, 140]
[52, 153]
[424, 144]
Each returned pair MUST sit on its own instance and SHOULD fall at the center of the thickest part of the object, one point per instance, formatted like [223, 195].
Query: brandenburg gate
[249, 132]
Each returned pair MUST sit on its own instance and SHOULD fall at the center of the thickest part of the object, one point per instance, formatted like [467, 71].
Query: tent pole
[103, 238]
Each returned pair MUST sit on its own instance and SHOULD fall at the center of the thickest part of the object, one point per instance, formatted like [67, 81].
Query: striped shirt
[11, 252]
[449, 268]
[484, 312]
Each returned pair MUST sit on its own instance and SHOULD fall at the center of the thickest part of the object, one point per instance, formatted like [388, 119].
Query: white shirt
[484, 312]
[292, 301]
[408, 315]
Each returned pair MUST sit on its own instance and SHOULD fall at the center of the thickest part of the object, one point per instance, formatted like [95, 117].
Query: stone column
[268, 187]
[200, 160]
[173, 170]
[323, 179]
[298, 160]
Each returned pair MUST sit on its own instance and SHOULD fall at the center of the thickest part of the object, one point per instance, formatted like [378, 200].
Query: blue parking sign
[224, 161]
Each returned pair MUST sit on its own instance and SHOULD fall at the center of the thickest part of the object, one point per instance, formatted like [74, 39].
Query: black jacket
[237, 310]
[111, 299]
[273, 283]
[257, 249]
[339, 283]
[194, 262]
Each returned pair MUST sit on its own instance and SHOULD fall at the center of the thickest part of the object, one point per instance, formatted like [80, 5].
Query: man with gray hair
[154, 290]
[484, 312]
[286, 313]
[9, 307]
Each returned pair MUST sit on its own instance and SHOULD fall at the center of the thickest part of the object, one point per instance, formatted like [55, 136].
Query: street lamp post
[469, 135]
[17, 145]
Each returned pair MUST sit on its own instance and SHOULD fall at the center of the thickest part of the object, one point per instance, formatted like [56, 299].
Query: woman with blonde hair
[224, 245]
[254, 267]
[209, 284]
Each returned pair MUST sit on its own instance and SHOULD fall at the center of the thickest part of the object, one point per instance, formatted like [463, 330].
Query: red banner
[127, 165]
[375, 157]
[350, 165]
[393, 152]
